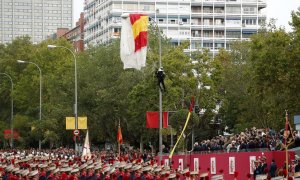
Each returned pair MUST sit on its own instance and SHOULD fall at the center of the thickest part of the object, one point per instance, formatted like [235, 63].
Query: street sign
[82, 122]
[76, 132]
[71, 121]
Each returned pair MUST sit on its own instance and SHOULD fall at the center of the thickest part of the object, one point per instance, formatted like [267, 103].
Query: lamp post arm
[40, 111]
[75, 77]
[40, 71]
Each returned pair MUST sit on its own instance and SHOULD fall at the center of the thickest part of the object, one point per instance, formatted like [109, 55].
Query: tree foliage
[250, 85]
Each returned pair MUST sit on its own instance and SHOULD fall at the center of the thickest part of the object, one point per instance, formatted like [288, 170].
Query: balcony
[196, 35]
[219, 11]
[233, 1]
[250, 12]
[219, 24]
[208, 1]
[219, 36]
[115, 35]
[250, 25]
[208, 10]
[255, 1]
[196, 11]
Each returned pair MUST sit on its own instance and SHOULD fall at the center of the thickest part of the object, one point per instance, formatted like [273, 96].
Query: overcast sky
[278, 9]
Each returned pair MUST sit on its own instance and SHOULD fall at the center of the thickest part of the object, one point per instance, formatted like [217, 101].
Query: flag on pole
[288, 133]
[119, 135]
[134, 40]
[86, 152]
[152, 119]
[184, 127]
[192, 104]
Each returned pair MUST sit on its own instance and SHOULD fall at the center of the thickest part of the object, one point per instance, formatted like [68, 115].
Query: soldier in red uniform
[194, 175]
[121, 173]
[145, 175]
[24, 175]
[127, 172]
[106, 173]
[97, 172]
[83, 174]
[34, 175]
[42, 174]
[74, 174]
[137, 173]
[56, 174]
[90, 174]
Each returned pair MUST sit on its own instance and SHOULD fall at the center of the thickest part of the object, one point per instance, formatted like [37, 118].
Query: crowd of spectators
[248, 140]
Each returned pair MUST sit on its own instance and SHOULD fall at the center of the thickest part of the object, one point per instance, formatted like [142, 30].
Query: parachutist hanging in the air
[160, 74]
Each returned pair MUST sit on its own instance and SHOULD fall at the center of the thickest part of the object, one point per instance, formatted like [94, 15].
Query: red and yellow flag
[139, 28]
[119, 135]
[134, 39]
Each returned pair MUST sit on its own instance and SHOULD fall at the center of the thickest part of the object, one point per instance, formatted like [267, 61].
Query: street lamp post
[159, 89]
[40, 113]
[160, 93]
[75, 78]
[12, 110]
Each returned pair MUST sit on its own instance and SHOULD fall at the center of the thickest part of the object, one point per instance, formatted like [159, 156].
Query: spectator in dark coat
[297, 167]
[273, 168]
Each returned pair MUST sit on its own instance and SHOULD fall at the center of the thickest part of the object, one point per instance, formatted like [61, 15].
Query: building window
[249, 22]
[233, 22]
[219, 34]
[219, 45]
[172, 21]
[207, 22]
[233, 10]
[208, 45]
[160, 21]
[233, 34]
[207, 33]
[219, 22]
[249, 10]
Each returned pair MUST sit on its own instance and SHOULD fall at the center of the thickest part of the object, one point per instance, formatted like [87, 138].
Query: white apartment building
[36, 18]
[211, 24]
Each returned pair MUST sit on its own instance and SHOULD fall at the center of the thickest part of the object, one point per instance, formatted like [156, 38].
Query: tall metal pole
[40, 111]
[12, 111]
[160, 95]
[75, 77]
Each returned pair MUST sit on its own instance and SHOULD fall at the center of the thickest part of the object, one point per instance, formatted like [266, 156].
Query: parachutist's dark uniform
[160, 74]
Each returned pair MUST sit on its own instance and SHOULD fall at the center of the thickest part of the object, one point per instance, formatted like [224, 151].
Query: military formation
[49, 166]
[63, 164]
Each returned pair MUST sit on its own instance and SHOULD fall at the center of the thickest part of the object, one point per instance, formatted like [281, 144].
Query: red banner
[7, 134]
[153, 119]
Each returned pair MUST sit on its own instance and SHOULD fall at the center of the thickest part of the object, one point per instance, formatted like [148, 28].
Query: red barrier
[228, 162]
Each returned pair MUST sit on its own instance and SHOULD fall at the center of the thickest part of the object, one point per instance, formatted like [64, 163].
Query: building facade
[36, 18]
[211, 24]
[74, 35]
